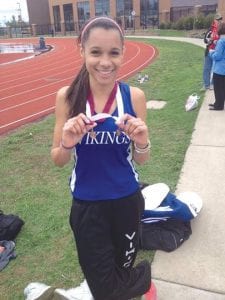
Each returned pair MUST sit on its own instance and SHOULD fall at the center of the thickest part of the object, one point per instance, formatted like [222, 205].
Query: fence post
[9, 31]
[63, 28]
[34, 29]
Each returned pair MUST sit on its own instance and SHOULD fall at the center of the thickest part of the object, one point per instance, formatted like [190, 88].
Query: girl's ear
[124, 49]
[81, 51]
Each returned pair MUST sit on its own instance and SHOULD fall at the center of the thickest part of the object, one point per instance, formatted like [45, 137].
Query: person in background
[218, 57]
[102, 123]
[210, 39]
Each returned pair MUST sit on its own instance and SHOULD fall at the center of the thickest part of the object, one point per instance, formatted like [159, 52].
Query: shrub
[199, 21]
[208, 21]
[167, 25]
[189, 23]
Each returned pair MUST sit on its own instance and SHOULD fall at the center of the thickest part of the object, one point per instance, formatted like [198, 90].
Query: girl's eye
[115, 53]
[95, 52]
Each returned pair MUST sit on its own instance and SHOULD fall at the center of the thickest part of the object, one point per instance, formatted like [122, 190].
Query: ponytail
[78, 92]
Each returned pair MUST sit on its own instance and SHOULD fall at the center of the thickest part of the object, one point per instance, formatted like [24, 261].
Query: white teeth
[105, 72]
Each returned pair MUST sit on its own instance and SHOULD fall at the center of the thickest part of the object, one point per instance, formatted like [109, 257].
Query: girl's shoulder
[137, 99]
[135, 92]
[61, 95]
[62, 92]
[61, 103]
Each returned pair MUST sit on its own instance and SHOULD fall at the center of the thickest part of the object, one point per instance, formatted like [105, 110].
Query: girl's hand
[135, 128]
[75, 128]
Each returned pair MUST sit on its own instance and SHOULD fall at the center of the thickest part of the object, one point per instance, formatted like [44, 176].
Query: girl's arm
[136, 128]
[60, 155]
[143, 142]
[68, 132]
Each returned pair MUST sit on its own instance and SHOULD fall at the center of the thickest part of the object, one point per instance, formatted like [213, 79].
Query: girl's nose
[105, 61]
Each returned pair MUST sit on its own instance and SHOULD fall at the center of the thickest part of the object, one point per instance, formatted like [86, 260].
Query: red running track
[28, 87]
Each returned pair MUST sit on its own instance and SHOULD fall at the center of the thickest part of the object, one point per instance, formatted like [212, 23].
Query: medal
[118, 132]
[92, 134]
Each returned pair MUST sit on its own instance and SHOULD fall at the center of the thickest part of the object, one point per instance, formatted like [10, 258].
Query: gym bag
[164, 235]
[10, 226]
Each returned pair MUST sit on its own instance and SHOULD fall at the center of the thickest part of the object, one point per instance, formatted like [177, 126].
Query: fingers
[133, 127]
[122, 120]
[79, 124]
[137, 130]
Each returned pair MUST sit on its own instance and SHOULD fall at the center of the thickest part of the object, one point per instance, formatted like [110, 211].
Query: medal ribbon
[108, 104]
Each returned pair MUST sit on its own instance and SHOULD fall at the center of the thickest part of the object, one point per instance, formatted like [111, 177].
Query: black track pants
[219, 90]
[106, 235]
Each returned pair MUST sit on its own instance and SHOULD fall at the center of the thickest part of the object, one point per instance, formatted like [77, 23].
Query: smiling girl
[102, 122]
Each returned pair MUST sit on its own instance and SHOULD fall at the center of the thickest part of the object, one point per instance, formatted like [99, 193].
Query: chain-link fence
[127, 23]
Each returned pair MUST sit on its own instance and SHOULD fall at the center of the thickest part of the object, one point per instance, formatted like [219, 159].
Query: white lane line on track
[42, 72]
[27, 102]
[69, 78]
[17, 60]
[52, 108]
[40, 113]
[35, 68]
[140, 66]
[46, 61]
[77, 61]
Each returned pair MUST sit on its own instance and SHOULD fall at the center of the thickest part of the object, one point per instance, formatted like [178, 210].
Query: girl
[218, 56]
[102, 122]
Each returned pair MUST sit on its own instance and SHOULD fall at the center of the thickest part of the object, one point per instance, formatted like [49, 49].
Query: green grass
[32, 187]
[168, 32]
[164, 32]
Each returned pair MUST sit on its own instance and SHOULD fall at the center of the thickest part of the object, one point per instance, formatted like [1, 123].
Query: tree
[16, 23]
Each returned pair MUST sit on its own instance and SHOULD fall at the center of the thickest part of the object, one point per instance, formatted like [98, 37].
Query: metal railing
[72, 28]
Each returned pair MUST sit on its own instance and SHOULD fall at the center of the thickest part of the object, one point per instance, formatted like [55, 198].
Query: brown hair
[221, 29]
[78, 91]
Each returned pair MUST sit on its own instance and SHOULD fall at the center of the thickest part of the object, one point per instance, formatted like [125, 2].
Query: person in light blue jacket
[218, 56]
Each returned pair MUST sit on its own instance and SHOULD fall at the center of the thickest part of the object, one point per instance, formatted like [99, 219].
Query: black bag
[207, 37]
[164, 235]
[10, 226]
[207, 41]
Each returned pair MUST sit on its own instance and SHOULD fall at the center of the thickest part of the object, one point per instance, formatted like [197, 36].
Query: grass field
[32, 187]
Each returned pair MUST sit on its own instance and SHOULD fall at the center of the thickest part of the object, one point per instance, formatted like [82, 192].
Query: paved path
[196, 271]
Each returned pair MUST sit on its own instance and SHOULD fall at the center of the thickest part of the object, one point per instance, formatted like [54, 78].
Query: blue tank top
[103, 166]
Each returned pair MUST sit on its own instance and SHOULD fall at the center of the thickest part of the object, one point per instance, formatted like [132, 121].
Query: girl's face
[103, 54]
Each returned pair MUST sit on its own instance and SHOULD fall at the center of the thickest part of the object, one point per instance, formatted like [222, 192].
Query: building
[172, 10]
[38, 12]
[39, 16]
[192, 7]
[70, 15]
[221, 8]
